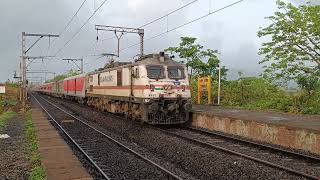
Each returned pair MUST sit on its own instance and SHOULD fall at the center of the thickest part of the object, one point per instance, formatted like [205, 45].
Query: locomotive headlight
[146, 100]
[187, 106]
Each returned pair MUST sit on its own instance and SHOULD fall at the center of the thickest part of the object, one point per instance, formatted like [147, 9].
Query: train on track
[153, 88]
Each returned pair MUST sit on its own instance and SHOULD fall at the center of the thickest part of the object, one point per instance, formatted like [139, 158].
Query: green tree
[202, 62]
[72, 73]
[63, 76]
[293, 52]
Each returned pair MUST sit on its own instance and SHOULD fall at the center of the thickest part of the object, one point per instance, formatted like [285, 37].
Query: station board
[2, 89]
[204, 86]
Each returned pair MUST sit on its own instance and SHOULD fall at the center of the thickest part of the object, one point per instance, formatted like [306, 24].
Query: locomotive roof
[150, 59]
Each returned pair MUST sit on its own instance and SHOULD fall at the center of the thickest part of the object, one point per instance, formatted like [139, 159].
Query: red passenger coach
[46, 87]
[75, 86]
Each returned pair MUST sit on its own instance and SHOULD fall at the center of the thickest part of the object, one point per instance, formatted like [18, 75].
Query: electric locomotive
[153, 88]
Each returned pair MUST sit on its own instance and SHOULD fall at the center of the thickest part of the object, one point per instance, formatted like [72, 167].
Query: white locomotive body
[154, 88]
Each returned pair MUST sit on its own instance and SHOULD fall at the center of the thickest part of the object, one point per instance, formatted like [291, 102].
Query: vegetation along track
[296, 163]
[110, 157]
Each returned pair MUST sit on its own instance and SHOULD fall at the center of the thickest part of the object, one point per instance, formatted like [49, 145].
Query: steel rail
[72, 140]
[292, 153]
[117, 142]
[270, 164]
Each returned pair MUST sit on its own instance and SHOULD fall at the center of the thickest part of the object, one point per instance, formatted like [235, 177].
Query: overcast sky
[232, 31]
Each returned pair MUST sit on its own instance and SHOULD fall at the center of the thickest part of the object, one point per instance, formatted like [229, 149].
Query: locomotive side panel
[115, 83]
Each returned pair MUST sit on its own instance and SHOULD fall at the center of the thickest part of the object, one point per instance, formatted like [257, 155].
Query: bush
[258, 93]
[309, 103]
[255, 93]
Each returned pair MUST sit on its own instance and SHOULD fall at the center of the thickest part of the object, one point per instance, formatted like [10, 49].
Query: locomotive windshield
[175, 72]
[155, 72]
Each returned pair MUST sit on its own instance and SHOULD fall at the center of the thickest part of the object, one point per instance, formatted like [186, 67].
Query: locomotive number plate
[177, 83]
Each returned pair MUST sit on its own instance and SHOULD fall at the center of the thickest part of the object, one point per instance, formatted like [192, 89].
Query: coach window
[98, 79]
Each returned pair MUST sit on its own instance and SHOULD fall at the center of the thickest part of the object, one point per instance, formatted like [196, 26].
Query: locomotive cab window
[175, 72]
[155, 72]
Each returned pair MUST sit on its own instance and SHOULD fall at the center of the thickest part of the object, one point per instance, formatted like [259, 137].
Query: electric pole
[122, 30]
[42, 72]
[23, 64]
[74, 60]
[19, 80]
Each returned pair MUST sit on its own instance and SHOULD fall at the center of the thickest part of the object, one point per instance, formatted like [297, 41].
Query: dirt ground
[13, 157]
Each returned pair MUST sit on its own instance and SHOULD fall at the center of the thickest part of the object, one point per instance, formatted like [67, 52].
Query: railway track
[111, 158]
[295, 163]
[298, 164]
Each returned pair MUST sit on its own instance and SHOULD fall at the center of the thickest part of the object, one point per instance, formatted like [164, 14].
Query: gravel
[116, 162]
[14, 163]
[196, 161]
[302, 164]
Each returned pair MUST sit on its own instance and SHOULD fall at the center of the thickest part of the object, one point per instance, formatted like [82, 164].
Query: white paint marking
[4, 136]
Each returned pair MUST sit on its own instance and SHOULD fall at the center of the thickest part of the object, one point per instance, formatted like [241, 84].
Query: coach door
[75, 86]
[119, 78]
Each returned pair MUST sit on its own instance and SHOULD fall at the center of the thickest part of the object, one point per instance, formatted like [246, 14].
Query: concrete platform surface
[56, 156]
[311, 122]
[288, 130]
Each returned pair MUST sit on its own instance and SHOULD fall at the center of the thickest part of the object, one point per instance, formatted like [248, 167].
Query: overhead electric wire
[189, 22]
[69, 22]
[151, 22]
[77, 32]
[182, 25]
[157, 19]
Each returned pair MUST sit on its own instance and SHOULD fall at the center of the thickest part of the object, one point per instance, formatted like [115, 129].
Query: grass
[37, 171]
[4, 117]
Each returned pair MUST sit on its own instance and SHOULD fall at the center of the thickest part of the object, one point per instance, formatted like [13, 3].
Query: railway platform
[56, 156]
[289, 130]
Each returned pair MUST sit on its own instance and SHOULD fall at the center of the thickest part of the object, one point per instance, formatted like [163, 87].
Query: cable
[177, 27]
[151, 22]
[155, 20]
[69, 22]
[75, 34]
